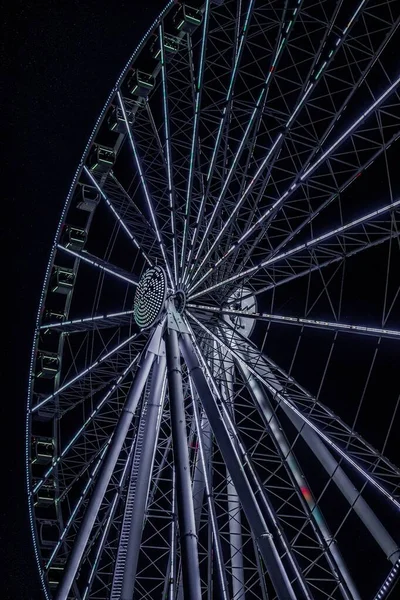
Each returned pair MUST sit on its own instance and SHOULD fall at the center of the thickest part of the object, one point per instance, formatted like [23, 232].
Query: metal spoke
[114, 319]
[171, 187]
[283, 399]
[310, 244]
[318, 324]
[145, 190]
[301, 178]
[117, 216]
[101, 264]
[83, 373]
[195, 134]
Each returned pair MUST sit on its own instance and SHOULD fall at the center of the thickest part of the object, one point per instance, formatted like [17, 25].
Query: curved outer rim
[46, 281]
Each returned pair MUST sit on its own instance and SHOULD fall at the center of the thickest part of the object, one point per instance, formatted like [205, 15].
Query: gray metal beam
[140, 480]
[318, 523]
[105, 475]
[264, 537]
[235, 523]
[332, 467]
[187, 527]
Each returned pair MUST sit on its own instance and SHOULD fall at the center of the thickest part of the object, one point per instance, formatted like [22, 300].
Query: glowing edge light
[45, 282]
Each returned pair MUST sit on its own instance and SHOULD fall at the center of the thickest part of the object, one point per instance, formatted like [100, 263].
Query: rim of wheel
[213, 392]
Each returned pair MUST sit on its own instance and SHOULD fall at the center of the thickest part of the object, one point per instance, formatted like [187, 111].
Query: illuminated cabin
[116, 119]
[48, 364]
[46, 495]
[89, 198]
[187, 18]
[140, 83]
[74, 237]
[42, 450]
[171, 46]
[101, 159]
[62, 280]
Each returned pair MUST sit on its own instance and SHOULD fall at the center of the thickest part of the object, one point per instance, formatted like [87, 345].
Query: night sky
[61, 60]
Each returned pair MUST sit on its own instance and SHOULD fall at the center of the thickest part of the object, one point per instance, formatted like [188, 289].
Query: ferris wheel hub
[150, 296]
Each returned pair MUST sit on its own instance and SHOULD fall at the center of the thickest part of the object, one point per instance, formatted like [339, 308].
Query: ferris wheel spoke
[139, 484]
[331, 551]
[243, 476]
[167, 135]
[82, 374]
[109, 320]
[302, 178]
[118, 217]
[108, 522]
[83, 430]
[357, 235]
[104, 477]
[146, 192]
[221, 127]
[101, 264]
[374, 467]
[300, 321]
[195, 133]
[251, 124]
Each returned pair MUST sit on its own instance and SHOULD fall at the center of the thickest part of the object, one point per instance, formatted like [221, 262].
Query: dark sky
[61, 60]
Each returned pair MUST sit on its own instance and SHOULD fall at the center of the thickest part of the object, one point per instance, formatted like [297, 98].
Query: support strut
[140, 480]
[105, 475]
[187, 526]
[264, 537]
[334, 470]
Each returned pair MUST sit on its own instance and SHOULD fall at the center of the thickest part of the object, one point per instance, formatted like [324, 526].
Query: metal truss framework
[230, 450]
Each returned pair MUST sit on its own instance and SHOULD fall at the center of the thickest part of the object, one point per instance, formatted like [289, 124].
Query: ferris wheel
[213, 407]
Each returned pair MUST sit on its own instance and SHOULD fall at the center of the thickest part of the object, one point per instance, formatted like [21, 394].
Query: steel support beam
[334, 470]
[199, 477]
[235, 522]
[141, 479]
[264, 537]
[320, 527]
[104, 477]
[187, 527]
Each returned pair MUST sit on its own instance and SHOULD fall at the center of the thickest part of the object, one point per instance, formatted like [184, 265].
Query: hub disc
[149, 302]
